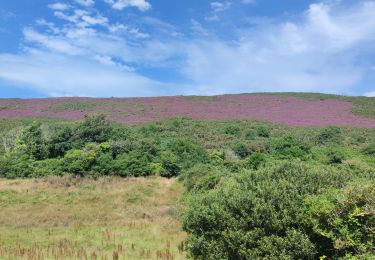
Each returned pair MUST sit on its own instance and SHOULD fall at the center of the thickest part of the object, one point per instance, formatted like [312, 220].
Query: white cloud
[322, 53]
[59, 6]
[91, 20]
[220, 6]
[142, 5]
[58, 75]
[370, 94]
[85, 2]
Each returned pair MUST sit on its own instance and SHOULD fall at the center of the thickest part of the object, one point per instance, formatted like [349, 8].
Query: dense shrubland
[253, 190]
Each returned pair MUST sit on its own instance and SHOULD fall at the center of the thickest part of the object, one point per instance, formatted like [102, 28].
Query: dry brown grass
[81, 218]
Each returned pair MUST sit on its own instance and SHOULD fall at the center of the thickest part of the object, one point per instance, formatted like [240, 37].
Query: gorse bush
[232, 130]
[263, 132]
[343, 218]
[288, 146]
[259, 215]
[330, 134]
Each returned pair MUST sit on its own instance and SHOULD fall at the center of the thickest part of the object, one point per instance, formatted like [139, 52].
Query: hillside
[295, 109]
[271, 176]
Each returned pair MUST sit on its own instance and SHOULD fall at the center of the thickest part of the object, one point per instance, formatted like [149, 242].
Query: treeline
[95, 147]
[254, 190]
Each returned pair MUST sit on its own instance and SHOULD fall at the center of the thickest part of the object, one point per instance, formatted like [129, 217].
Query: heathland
[271, 176]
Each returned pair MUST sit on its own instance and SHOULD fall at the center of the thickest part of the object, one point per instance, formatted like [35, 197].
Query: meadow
[107, 218]
[298, 184]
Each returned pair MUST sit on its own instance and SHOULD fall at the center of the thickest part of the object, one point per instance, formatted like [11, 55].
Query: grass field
[110, 218]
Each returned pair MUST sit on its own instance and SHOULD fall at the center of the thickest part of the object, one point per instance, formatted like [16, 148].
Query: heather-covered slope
[290, 109]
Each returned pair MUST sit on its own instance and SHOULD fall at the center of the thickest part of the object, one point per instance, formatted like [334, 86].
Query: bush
[202, 177]
[186, 152]
[232, 130]
[288, 146]
[79, 162]
[250, 135]
[256, 214]
[93, 129]
[60, 141]
[330, 134]
[263, 132]
[241, 149]
[48, 167]
[254, 161]
[344, 218]
[369, 150]
[335, 155]
[15, 165]
[170, 166]
[132, 164]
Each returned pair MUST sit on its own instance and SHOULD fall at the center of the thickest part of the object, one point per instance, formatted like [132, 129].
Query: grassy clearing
[110, 218]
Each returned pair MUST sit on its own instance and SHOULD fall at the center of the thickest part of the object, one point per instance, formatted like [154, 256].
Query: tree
[94, 128]
[31, 141]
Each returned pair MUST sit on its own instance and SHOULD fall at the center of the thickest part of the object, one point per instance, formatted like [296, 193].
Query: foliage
[288, 146]
[132, 164]
[229, 222]
[254, 161]
[369, 149]
[31, 141]
[330, 134]
[345, 218]
[95, 128]
[335, 155]
[232, 130]
[263, 131]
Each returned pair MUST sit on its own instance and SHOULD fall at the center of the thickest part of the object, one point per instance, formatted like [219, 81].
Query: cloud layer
[90, 54]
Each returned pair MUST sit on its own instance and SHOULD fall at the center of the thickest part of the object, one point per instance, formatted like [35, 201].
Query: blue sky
[185, 47]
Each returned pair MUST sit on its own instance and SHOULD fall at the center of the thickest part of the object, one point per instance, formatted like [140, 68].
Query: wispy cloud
[321, 52]
[59, 75]
[85, 2]
[87, 53]
[220, 6]
[142, 5]
[59, 6]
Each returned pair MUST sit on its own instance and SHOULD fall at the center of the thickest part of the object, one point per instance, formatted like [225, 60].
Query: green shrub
[256, 214]
[232, 130]
[93, 129]
[329, 134]
[254, 161]
[261, 146]
[263, 132]
[335, 155]
[170, 165]
[187, 152]
[60, 141]
[216, 157]
[103, 165]
[250, 135]
[369, 150]
[15, 165]
[48, 167]
[202, 177]
[344, 218]
[132, 164]
[241, 149]
[288, 146]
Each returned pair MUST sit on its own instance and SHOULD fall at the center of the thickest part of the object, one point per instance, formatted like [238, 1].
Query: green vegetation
[253, 190]
[110, 218]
